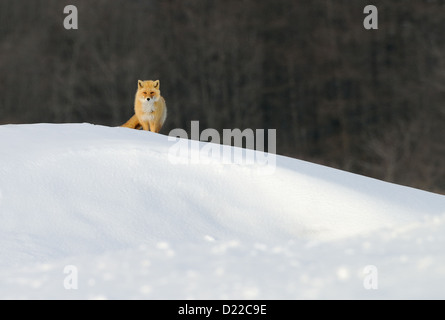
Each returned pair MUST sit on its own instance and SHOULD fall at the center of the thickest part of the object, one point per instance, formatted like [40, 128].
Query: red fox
[149, 107]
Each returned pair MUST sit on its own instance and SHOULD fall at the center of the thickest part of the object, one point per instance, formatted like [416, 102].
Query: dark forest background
[365, 101]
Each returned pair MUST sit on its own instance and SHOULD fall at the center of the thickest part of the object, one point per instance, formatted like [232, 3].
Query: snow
[112, 211]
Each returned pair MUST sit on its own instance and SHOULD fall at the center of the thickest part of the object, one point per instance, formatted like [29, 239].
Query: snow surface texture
[110, 210]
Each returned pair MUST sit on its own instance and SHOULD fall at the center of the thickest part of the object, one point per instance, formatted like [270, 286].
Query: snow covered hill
[110, 210]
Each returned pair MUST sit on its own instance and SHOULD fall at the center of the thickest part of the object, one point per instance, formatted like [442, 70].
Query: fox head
[148, 90]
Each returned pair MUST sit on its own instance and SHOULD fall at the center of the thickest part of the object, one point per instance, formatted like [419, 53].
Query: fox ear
[156, 84]
[140, 83]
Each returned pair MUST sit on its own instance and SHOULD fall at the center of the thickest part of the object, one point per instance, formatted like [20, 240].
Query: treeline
[366, 101]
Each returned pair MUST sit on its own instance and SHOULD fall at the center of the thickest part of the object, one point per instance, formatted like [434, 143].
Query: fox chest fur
[150, 110]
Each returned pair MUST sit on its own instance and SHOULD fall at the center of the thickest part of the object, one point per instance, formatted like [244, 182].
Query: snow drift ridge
[76, 189]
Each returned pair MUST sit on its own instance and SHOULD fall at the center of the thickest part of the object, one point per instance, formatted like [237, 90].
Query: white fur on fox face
[144, 100]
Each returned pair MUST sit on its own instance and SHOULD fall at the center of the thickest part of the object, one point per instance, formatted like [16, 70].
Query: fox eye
[152, 92]
[144, 92]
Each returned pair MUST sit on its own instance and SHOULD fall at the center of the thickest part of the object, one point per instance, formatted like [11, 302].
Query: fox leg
[133, 123]
[154, 128]
[145, 126]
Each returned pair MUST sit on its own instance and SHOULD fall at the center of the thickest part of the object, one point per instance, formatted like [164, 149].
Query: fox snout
[152, 98]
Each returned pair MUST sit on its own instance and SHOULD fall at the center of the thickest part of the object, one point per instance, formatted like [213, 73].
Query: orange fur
[149, 107]
[133, 123]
